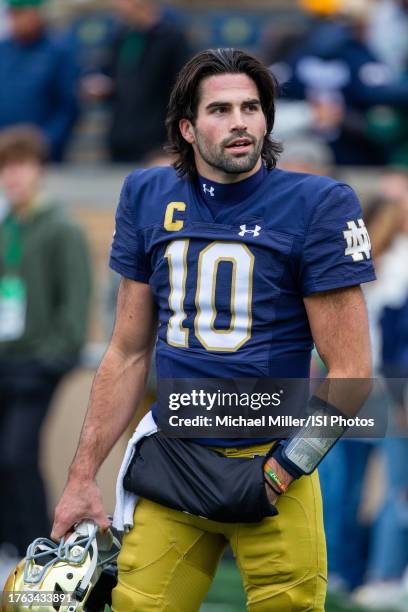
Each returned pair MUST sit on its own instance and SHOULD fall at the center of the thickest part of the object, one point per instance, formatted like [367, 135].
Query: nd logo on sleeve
[358, 240]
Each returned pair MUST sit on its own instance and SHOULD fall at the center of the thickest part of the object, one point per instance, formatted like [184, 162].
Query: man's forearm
[339, 325]
[347, 389]
[116, 392]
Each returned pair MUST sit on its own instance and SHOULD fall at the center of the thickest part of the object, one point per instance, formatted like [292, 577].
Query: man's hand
[271, 495]
[283, 476]
[80, 500]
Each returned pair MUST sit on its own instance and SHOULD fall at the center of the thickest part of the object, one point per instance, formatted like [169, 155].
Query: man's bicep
[339, 325]
[136, 318]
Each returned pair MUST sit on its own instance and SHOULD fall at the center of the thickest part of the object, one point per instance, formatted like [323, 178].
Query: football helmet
[321, 7]
[65, 575]
[353, 9]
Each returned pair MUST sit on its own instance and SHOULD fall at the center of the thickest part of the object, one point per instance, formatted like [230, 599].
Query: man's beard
[216, 157]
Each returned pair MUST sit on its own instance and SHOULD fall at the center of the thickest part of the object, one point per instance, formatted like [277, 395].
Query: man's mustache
[228, 141]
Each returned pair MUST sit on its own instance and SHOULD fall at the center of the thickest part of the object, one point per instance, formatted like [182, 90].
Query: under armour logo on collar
[209, 190]
[254, 231]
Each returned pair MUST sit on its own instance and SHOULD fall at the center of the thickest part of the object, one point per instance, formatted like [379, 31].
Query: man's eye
[252, 107]
[220, 110]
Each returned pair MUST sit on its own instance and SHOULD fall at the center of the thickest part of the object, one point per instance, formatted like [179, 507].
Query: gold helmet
[353, 9]
[54, 576]
[322, 7]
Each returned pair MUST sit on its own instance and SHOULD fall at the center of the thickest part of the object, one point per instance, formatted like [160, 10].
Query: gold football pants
[169, 558]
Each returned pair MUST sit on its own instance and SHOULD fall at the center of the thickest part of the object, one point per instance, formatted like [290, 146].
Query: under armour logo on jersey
[358, 240]
[209, 190]
[254, 231]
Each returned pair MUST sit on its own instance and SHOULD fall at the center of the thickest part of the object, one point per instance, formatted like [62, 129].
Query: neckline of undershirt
[220, 194]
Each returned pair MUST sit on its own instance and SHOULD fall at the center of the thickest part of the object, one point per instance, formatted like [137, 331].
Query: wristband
[275, 478]
[302, 452]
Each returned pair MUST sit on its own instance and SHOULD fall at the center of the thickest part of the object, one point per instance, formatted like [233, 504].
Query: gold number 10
[212, 339]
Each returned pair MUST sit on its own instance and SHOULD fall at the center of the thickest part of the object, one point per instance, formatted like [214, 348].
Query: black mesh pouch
[187, 476]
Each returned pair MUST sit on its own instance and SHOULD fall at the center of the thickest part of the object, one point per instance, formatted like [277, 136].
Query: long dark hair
[184, 101]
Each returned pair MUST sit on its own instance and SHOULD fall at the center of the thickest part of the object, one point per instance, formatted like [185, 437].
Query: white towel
[126, 501]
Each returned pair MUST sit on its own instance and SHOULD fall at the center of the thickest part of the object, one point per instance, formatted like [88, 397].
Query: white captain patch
[358, 240]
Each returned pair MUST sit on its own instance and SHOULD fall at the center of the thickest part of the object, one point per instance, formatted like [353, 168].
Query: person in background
[44, 300]
[306, 154]
[343, 472]
[38, 74]
[387, 34]
[389, 550]
[146, 56]
[387, 37]
[334, 70]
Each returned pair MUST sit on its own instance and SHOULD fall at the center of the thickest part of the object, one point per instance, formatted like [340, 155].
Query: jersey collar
[221, 194]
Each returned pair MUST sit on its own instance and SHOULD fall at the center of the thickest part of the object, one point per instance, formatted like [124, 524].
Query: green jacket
[50, 254]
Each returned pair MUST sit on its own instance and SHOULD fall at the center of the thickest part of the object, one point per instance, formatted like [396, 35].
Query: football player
[295, 250]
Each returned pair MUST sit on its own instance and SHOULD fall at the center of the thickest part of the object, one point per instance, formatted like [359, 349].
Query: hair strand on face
[184, 101]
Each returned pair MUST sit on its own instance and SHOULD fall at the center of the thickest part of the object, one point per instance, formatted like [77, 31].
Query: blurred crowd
[342, 69]
[368, 547]
[54, 77]
[343, 79]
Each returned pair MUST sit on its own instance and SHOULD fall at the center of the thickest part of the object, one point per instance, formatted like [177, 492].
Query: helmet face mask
[65, 573]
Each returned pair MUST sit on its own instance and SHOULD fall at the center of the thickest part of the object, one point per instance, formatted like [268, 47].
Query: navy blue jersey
[229, 283]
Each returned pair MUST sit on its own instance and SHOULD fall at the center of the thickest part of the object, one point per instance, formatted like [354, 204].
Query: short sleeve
[337, 248]
[128, 256]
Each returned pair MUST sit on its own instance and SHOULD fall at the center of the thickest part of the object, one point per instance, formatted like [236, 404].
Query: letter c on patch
[169, 224]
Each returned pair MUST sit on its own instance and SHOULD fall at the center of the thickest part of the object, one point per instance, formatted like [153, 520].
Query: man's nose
[238, 122]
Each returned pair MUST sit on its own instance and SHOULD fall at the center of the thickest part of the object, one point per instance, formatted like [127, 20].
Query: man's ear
[187, 130]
